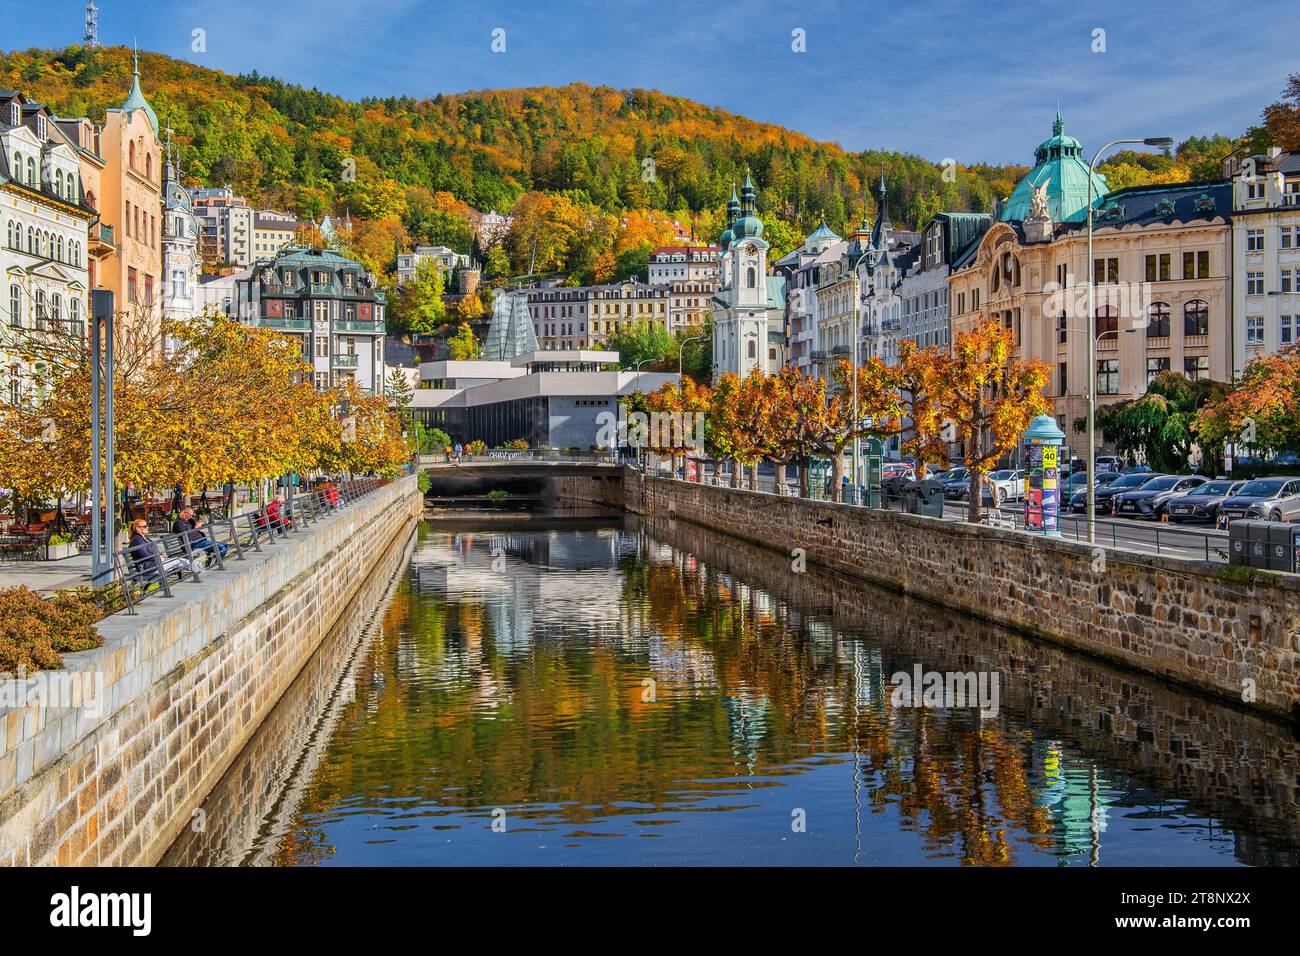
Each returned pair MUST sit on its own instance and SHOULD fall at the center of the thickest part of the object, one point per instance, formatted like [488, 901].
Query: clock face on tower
[751, 250]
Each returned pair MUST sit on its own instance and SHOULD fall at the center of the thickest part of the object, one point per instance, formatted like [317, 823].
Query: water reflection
[663, 695]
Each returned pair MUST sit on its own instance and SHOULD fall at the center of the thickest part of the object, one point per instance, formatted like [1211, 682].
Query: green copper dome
[135, 101]
[1059, 164]
[747, 227]
[733, 213]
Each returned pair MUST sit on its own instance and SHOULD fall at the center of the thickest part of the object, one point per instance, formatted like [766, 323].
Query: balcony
[284, 324]
[345, 361]
[353, 325]
[101, 241]
[1196, 341]
[322, 288]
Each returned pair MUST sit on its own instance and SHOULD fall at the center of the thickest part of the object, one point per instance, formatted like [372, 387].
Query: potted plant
[61, 545]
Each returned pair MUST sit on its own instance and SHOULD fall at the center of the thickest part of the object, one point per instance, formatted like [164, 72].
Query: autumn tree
[419, 308]
[463, 346]
[1260, 411]
[990, 397]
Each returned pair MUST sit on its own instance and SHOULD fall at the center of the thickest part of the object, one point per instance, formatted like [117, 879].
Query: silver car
[1273, 499]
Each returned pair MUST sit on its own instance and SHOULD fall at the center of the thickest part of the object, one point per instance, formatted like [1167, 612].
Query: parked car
[1273, 499]
[1137, 470]
[1010, 485]
[955, 483]
[1104, 495]
[896, 469]
[1202, 504]
[1150, 499]
[1079, 479]
[1109, 463]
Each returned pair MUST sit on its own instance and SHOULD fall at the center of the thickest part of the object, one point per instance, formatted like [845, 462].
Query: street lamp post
[1162, 142]
[681, 347]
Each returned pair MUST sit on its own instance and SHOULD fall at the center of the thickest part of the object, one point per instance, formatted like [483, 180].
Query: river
[606, 692]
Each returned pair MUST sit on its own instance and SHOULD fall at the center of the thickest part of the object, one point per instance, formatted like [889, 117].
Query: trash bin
[1281, 547]
[1239, 541]
[1259, 540]
[924, 497]
[892, 492]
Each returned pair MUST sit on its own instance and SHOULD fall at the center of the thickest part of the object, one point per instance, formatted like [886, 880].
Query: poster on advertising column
[1043, 494]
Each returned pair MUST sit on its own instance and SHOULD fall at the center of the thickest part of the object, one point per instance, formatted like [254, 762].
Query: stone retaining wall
[1229, 631]
[111, 779]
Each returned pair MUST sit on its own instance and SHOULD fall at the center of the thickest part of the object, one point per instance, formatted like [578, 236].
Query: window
[1062, 329]
[1254, 330]
[74, 313]
[1062, 378]
[1285, 330]
[1288, 237]
[1107, 321]
[961, 302]
[752, 349]
[322, 346]
[1155, 366]
[1196, 265]
[1158, 268]
[1196, 318]
[131, 281]
[15, 306]
[1158, 320]
[1286, 281]
[751, 277]
[1254, 240]
[1254, 283]
[40, 307]
[1108, 377]
[1105, 270]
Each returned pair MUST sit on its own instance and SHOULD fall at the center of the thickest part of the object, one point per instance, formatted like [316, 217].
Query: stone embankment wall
[110, 777]
[1223, 630]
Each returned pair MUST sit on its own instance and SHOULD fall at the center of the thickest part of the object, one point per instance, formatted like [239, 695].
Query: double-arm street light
[1161, 142]
[681, 346]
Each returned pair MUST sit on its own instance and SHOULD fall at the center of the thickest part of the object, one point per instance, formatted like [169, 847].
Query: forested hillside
[601, 172]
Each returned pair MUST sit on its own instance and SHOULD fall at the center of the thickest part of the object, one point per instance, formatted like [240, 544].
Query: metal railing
[148, 567]
[1129, 534]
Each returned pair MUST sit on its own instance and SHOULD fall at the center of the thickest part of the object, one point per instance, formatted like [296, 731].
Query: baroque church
[749, 309]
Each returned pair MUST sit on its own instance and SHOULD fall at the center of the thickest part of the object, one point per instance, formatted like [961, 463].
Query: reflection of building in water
[1075, 796]
[746, 725]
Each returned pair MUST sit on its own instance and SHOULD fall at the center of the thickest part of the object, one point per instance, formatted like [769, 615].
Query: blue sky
[973, 81]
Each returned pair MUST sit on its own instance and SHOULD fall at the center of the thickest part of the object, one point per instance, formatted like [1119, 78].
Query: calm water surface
[631, 695]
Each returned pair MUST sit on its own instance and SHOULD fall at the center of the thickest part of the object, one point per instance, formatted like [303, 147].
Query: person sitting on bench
[187, 526]
[145, 553]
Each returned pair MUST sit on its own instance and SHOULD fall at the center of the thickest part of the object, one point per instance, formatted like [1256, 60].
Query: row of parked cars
[1191, 498]
[1140, 493]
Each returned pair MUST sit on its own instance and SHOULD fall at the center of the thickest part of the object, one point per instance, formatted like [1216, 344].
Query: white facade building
[180, 250]
[1265, 254]
[447, 261]
[749, 309]
[43, 234]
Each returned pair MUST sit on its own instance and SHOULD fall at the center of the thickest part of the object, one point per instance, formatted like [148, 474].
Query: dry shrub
[34, 629]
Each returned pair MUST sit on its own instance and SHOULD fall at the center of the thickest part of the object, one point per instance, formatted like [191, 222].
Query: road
[1197, 542]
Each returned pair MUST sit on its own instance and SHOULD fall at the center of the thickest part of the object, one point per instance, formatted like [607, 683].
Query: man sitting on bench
[187, 525]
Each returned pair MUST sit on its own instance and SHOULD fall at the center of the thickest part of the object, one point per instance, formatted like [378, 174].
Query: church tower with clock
[749, 310]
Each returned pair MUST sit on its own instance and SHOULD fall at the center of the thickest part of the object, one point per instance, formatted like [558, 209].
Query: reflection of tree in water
[479, 709]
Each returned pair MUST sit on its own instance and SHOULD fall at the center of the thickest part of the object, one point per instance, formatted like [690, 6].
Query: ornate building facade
[749, 309]
[1160, 257]
[180, 249]
[44, 219]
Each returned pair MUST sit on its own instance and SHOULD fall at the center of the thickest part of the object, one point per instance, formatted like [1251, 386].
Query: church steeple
[880, 232]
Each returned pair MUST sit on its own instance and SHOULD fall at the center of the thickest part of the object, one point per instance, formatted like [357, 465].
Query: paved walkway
[46, 575]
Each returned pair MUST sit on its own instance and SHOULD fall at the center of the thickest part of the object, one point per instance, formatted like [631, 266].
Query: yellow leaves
[229, 403]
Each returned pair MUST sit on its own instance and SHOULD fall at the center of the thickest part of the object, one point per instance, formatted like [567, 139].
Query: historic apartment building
[43, 224]
[1265, 253]
[130, 202]
[181, 261]
[1161, 261]
[327, 301]
[585, 316]
[446, 259]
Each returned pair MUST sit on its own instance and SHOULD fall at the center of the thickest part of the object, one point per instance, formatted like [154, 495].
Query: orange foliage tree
[989, 396]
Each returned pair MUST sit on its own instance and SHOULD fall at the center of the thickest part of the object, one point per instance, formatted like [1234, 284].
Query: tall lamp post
[1161, 142]
[103, 491]
[681, 347]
